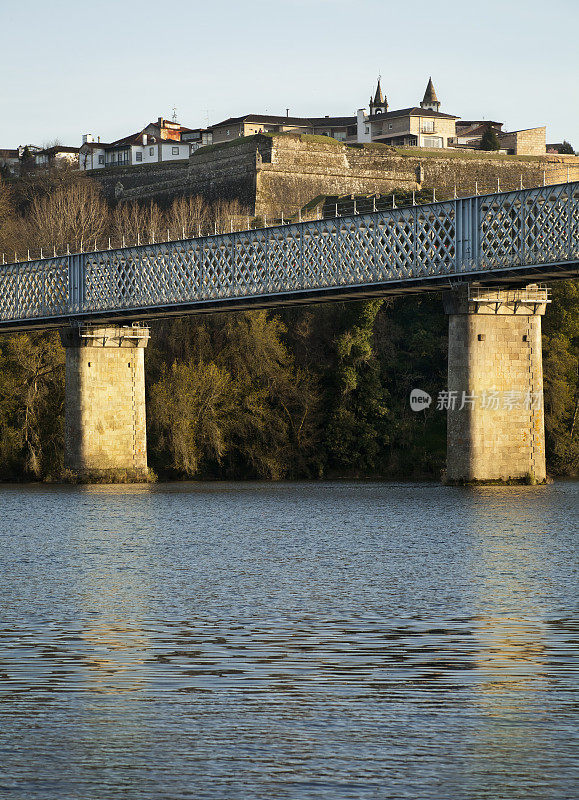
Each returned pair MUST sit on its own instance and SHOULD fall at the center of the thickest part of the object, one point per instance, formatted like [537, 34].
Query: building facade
[426, 126]
[417, 126]
[421, 126]
[341, 128]
[158, 141]
[9, 163]
[57, 156]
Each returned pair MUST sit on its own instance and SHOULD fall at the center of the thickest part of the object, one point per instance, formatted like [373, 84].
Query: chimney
[287, 112]
[87, 137]
[160, 122]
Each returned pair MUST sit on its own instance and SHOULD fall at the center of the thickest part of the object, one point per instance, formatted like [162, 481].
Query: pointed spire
[430, 101]
[379, 104]
[430, 94]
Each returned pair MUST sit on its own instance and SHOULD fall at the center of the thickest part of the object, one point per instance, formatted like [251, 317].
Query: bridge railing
[450, 238]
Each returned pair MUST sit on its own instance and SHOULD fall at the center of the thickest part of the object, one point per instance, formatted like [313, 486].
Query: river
[295, 640]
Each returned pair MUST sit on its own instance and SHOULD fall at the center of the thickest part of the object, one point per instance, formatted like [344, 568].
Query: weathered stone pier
[105, 419]
[495, 384]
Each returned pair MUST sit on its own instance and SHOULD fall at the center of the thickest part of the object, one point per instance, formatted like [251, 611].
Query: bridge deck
[508, 237]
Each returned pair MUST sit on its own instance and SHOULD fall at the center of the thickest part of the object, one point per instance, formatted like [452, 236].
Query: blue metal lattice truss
[504, 237]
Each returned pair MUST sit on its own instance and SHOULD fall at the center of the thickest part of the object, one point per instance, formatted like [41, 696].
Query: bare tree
[188, 217]
[75, 215]
[134, 222]
[227, 215]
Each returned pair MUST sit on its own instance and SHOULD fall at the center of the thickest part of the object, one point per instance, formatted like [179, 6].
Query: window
[101, 159]
[367, 129]
[175, 151]
[139, 156]
[427, 126]
[227, 133]
[431, 141]
[389, 126]
[151, 151]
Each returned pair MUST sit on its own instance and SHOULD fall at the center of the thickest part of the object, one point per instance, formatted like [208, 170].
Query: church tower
[379, 105]
[430, 100]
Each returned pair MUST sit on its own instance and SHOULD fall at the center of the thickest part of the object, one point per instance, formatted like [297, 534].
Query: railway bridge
[488, 253]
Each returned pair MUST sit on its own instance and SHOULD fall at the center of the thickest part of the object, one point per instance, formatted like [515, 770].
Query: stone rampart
[270, 174]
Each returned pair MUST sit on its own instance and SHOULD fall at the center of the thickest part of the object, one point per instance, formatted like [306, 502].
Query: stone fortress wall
[270, 174]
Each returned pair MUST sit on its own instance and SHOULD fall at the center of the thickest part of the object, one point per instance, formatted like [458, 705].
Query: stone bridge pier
[494, 397]
[496, 426]
[105, 420]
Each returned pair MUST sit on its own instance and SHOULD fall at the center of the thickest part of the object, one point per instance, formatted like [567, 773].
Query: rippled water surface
[288, 641]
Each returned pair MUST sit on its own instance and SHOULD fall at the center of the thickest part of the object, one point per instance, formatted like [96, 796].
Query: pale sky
[109, 67]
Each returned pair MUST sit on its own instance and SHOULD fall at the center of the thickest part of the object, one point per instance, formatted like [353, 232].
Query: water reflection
[511, 681]
[114, 590]
[289, 641]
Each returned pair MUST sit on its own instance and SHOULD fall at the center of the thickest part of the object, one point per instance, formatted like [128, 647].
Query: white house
[139, 148]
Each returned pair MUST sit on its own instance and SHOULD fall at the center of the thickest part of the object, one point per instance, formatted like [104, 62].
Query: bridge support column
[105, 422]
[495, 384]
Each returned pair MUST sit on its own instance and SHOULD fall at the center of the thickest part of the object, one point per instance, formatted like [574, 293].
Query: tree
[27, 155]
[490, 140]
[137, 222]
[5, 209]
[75, 215]
[233, 404]
[188, 216]
[193, 406]
[565, 149]
[561, 369]
[31, 405]
[226, 215]
[9, 221]
[357, 425]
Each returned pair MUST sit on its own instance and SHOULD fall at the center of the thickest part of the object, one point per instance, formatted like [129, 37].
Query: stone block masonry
[270, 174]
[495, 385]
[105, 419]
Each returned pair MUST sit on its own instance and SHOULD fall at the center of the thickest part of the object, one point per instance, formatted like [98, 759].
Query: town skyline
[56, 99]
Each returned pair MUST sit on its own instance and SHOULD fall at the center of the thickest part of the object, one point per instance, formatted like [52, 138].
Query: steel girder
[507, 236]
